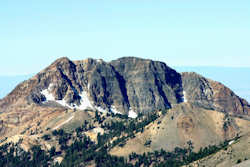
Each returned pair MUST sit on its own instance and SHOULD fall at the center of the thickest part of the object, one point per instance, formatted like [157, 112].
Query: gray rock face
[127, 83]
[122, 85]
[148, 85]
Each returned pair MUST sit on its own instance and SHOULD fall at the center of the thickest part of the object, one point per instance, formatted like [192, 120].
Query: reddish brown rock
[213, 95]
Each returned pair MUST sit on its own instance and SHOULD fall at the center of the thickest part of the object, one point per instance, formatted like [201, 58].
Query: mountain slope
[237, 152]
[212, 94]
[68, 93]
[184, 123]
[109, 86]
[127, 85]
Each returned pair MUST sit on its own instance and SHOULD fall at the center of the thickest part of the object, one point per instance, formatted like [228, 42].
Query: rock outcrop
[148, 85]
[212, 95]
[127, 85]
[124, 85]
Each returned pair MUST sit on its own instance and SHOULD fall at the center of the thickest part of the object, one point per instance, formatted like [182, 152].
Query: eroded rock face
[148, 85]
[213, 95]
[124, 85]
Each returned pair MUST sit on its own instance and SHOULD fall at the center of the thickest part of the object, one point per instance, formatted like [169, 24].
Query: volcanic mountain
[129, 86]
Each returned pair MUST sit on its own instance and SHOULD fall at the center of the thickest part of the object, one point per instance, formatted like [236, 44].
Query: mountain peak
[184, 107]
[62, 59]
[128, 84]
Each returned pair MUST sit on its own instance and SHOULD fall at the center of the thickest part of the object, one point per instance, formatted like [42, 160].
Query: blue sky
[181, 33]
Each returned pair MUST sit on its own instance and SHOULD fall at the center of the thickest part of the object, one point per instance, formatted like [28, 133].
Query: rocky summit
[127, 85]
[131, 108]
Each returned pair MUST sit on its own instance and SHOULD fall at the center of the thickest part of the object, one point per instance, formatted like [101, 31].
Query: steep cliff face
[127, 85]
[213, 95]
[148, 85]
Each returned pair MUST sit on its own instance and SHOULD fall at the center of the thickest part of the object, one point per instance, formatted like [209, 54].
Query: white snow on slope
[47, 94]
[100, 109]
[49, 97]
[132, 114]
[63, 103]
[184, 98]
[231, 142]
[114, 110]
[85, 103]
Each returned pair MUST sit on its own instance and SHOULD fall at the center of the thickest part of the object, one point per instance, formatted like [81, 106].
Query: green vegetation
[78, 150]
[46, 137]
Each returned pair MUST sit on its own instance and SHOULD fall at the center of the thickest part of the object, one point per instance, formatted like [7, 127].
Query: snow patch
[184, 98]
[49, 97]
[47, 94]
[132, 114]
[114, 110]
[50, 86]
[231, 142]
[101, 109]
[85, 102]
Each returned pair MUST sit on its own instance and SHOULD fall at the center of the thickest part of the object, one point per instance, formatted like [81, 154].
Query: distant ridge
[233, 77]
